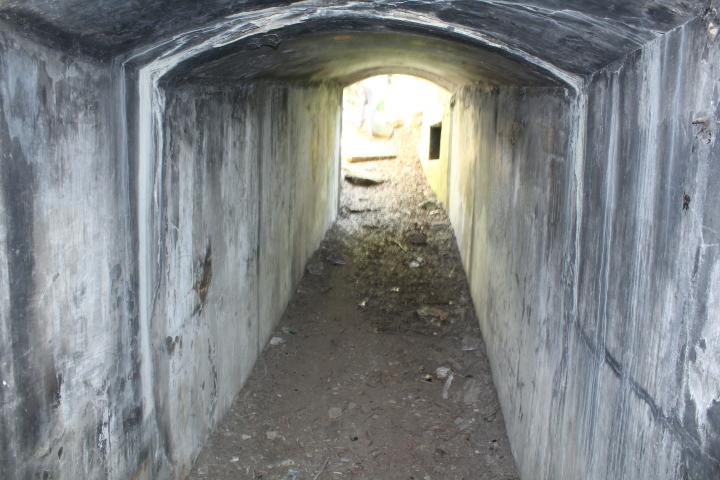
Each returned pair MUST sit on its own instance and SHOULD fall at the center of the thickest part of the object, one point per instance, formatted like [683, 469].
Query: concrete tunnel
[139, 140]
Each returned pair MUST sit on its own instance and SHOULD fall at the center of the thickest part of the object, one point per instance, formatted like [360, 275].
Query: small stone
[432, 314]
[416, 263]
[336, 260]
[448, 383]
[316, 268]
[416, 238]
[382, 129]
[363, 179]
[245, 436]
[275, 341]
[472, 391]
[234, 459]
[429, 205]
[464, 424]
[363, 303]
[470, 344]
[443, 372]
[335, 413]
[272, 435]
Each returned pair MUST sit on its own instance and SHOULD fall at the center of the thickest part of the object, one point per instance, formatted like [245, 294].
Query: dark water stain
[17, 181]
[204, 278]
[689, 418]
[696, 462]
[713, 429]
[214, 374]
[54, 390]
[132, 418]
[172, 343]
[661, 15]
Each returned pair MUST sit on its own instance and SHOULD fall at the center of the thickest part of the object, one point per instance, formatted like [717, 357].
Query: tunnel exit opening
[389, 116]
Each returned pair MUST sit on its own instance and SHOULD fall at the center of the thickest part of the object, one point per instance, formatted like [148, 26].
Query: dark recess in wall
[435, 137]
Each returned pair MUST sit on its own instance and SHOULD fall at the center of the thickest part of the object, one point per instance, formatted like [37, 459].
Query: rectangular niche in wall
[435, 136]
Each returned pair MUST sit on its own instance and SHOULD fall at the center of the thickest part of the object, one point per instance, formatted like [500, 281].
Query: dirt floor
[377, 370]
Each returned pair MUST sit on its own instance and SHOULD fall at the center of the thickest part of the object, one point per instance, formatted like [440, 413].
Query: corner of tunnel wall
[593, 285]
[67, 321]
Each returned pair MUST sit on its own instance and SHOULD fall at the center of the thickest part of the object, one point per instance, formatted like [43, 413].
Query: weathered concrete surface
[648, 321]
[595, 287]
[512, 204]
[353, 51]
[249, 189]
[595, 278]
[69, 400]
[580, 37]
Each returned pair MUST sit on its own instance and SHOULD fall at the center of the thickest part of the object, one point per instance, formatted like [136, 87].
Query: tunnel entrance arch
[293, 48]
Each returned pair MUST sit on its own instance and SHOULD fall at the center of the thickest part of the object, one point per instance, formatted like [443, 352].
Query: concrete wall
[250, 186]
[246, 192]
[69, 401]
[512, 204]
[646, 338]
[597, 292]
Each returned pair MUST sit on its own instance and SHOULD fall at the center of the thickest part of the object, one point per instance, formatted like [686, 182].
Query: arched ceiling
[577, 36]
[338, 51]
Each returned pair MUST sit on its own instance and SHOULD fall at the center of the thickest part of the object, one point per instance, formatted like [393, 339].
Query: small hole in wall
[435, 137]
